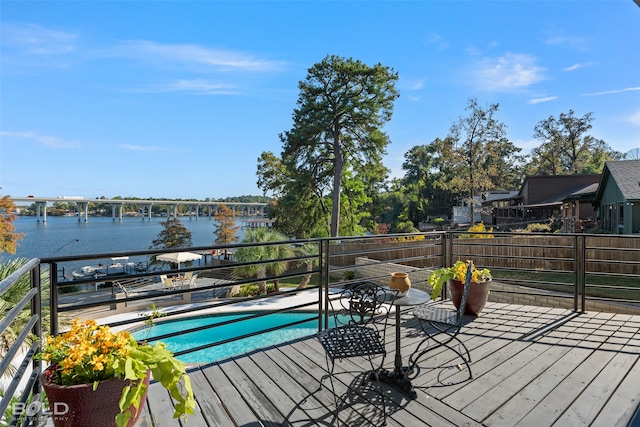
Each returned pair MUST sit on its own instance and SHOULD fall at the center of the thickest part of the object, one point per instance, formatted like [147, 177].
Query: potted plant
[456, 275]
[91, 362]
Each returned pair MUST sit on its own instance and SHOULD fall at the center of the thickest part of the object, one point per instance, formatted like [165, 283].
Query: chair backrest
[465, 292]
[168, 282]
[193, 278]
[362, 303]
[119, 286]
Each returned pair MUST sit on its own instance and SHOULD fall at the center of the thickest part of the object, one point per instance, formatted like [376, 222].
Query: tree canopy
[173, 235]
[566, 148]
[8, 237]
[336, 144]
[475, 157]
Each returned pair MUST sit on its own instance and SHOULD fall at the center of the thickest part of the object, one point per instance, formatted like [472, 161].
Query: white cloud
[45, 140]
[196, 86]
[473, 51]
[613, 91]
[34, 39]
[576, 42]
[526, 144]
[194, 55]
[437, 40]
[579, 65]
[634, 118]
[131, 147]
[416, 84]
[506, 73]
[541, 100]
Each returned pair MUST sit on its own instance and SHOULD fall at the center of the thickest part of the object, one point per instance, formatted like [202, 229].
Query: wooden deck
[532, 366]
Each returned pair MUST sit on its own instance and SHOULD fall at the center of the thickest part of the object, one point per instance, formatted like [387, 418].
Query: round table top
[413, 297]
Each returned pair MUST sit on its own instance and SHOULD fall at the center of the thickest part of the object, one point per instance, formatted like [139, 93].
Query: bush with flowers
[458, 271]
[89, 353]
[478, 228]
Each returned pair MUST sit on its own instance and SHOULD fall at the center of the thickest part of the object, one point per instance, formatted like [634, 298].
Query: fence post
[579, 296]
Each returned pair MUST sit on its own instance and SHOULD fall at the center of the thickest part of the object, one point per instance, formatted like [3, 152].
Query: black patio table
[399, 377]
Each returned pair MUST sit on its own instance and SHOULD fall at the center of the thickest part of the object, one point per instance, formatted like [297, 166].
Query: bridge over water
[194, 207]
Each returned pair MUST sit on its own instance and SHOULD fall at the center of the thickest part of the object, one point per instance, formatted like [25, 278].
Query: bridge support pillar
[83, 210]
[118, 207]
[146, 208]
[41, 208]
[194, 210]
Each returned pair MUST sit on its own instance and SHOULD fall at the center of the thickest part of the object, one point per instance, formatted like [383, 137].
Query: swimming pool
[221, 333]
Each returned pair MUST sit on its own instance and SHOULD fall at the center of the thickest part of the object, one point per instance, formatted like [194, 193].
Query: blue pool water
[220, 333]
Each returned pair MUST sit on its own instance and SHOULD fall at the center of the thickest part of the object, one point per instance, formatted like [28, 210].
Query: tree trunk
[306, 278]
[262, 284]
[262, 287]
[337, 178]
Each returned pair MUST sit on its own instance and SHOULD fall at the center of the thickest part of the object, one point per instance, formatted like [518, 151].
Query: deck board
[531, 366]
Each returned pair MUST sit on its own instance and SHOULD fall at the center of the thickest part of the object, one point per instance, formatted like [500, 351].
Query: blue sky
[178, 99]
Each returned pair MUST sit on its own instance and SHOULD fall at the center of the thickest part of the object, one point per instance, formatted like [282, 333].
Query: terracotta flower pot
[476, 299]
[79, 405]
[401, 282]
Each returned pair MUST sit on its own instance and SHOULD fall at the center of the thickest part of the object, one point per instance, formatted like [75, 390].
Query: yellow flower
[98, 361]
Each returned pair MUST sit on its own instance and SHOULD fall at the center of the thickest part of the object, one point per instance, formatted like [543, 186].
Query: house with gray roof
[618, 197]
[542, 197]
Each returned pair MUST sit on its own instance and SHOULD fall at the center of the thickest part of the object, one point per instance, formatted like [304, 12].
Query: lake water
[62, 236]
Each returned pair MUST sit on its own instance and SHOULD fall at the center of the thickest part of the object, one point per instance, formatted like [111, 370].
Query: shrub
[478, 228]
[253, 290]
[349, 275]
[538, 228]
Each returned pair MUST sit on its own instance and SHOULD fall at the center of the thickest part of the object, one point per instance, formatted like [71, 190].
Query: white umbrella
[179, 257]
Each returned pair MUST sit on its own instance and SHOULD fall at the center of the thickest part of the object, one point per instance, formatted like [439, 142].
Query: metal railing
[578, 267]
[14, 404]
[574, 269]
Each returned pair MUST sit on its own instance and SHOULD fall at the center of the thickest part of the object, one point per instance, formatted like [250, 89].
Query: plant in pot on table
[98, 377]
[455, 276]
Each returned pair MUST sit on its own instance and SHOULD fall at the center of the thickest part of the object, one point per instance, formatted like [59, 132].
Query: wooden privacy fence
[519, 253]
[420, 251]
[515, 251]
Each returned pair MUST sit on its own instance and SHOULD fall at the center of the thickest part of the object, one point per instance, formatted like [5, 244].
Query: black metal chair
[359, 322]
[442, 325]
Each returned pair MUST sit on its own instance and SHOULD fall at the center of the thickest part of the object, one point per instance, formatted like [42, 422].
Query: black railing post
[53, 298]
[581, 269]
[36, 364]
[447, 257]
[323, 297]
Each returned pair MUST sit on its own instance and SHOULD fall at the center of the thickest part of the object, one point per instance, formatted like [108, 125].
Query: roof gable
[626, 175]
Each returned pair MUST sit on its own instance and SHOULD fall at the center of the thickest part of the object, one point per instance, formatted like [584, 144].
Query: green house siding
[618, 197]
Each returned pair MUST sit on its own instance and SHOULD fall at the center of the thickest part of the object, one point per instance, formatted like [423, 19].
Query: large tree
[341, 108]
[226, 229]
[424, 185]
[173, 235]
[566, 148]
[480, 153]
